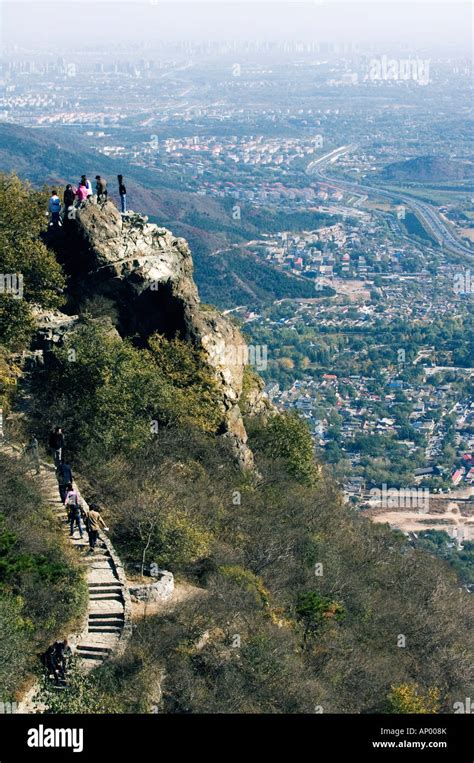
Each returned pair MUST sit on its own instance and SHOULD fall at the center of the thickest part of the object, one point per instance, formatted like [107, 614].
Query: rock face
[148, 274]
[143, 268]
[53, 325]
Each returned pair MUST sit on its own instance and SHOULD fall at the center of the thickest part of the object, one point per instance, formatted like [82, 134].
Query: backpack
[72, 503]
[55, 205]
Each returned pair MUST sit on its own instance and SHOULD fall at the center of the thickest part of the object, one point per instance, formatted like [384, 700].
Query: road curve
[426, 212]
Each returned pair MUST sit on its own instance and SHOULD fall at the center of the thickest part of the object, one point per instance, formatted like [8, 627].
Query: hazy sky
[68, 22]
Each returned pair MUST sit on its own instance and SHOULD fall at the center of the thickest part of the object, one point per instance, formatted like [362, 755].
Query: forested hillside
[303, 607]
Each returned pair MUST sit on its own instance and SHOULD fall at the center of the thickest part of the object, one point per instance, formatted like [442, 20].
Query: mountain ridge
[428, 169]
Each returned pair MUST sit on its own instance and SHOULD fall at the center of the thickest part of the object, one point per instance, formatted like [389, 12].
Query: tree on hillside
[287, 437]
[22, 253]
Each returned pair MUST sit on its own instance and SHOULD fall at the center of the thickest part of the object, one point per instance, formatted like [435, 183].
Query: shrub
[315, 610]
[286, 437]
[408, 698]
[15, 649]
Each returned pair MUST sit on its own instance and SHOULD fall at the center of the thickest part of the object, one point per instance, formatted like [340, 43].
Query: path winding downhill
[107, 625]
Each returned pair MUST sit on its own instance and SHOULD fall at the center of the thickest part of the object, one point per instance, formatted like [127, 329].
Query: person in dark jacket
[69, 199]
[32, 452]
[56, 659]
[56, 444]
[50, 660]
[64, 477]
[63, 655]
[123, 194]
[101, 188]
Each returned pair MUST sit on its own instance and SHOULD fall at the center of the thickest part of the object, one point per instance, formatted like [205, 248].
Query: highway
[427, 214]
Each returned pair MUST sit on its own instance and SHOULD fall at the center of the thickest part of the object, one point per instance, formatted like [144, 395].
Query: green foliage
[407, 698]
[149, 529]
[9, 373]
[247, 580]
[16, 323]
[286, 438]
[22, 252]
[83, 693]
[110, 395]
[183, 368]
[15, 635]
[315, 610]
[236, 277]
[439, 543]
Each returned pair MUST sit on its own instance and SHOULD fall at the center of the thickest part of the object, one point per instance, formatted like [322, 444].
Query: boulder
[160, 590]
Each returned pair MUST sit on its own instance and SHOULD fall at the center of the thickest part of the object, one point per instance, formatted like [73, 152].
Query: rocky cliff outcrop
[148, 275]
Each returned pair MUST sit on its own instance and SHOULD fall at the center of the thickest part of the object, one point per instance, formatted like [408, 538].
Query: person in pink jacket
[82, 192]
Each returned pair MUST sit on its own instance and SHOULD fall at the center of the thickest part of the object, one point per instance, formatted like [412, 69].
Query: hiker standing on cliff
[94, 523]
[55, 208]
[85, 181]
[64, 477]
[82, 193]
[123, 194]
[56, 444]
[101, 188]
[69, 198]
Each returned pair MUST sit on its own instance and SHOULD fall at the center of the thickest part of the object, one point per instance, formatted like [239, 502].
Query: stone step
[116, 629]
[104, 566]
[104, 650]
[116, 621]
[85, 655]
[106, 607]
[112, 596]
[98, 579]
[105, 583]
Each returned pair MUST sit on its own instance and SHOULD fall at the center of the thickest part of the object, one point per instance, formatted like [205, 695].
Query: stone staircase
[108, 624]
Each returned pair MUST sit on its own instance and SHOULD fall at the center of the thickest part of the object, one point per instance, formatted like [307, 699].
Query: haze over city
[107, 22]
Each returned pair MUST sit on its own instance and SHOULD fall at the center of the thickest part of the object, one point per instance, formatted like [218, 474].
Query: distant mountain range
[42, 156]
[428, 169]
